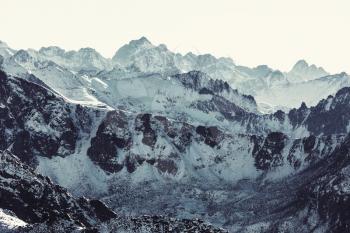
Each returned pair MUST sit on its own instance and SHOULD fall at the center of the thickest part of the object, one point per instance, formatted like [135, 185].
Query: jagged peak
[303, 65]
[263, 67]
[140, 42]
[343, 91]
[277, 73]
[300, 64]
[24, 54]
[52, 50]
[303, 106]
[127, 50]
[87, 50]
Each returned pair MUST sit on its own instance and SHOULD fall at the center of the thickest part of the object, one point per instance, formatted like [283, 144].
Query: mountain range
[155, 141]
[272, 89]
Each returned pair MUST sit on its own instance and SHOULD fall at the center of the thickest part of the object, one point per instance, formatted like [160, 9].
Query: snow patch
[9, 222]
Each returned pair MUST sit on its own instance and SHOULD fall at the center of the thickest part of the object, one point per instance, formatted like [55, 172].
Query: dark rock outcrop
[112, 134]
[212, 135]
[270, 154]
[34, 120]
[143, 124]
[35, 199]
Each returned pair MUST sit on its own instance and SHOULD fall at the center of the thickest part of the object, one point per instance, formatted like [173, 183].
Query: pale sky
[251, 32]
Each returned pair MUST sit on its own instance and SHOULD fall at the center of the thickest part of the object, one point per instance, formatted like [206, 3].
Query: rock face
[35, 120]
[35, 199]
[112, 134]
[270, 154]
[212, 135]
[322, 196]
[162, 224]
[202, 83]
[46, 207]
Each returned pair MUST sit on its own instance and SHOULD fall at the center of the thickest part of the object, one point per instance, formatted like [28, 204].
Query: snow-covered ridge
[83, 59]
[140, 57]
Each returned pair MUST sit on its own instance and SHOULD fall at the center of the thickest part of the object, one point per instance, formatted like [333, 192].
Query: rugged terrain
[169, 142]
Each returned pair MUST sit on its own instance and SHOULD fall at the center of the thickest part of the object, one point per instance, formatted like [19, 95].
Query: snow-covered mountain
[302, 72]
[5, 50]
[32, 203]
[75, 72]
[183, 168]
[86, 59]
[152, 132]
[311, 92]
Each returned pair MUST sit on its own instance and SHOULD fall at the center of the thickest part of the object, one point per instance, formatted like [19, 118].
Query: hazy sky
[251, 32]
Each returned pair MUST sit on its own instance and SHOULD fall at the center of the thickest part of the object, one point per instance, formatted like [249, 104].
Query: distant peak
[132, 47]
[142, 41]
[22, 55]
[310, 71]
[303, 106]
[87, 50]
[301, 64]
[3, 44]
[263, 68]
[52, 50]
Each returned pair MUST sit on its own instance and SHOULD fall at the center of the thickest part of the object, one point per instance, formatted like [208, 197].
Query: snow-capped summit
[146, 57]
[150, 58]
[83, 59]
[89, 58]
[141, 58]
[52, 51]
[302, 71]
[143, 41]
[28, 58]
[300, 65]
[5, 50]
[128, 50]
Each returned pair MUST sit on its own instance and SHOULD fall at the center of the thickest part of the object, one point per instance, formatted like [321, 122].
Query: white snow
[9, 222]
[76, 172]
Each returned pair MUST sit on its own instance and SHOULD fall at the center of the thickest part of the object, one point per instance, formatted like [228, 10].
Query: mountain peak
[87, 50]
[343, 74]
[301, 64]
[131, 48]
[52, 51]
[3, 44]
[302, 71]
[140, 42]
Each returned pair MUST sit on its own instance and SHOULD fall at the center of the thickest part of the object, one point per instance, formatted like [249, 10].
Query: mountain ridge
[160, 133]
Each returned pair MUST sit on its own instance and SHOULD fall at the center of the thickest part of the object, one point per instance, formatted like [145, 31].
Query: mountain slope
[46, 207]
[151, 140]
